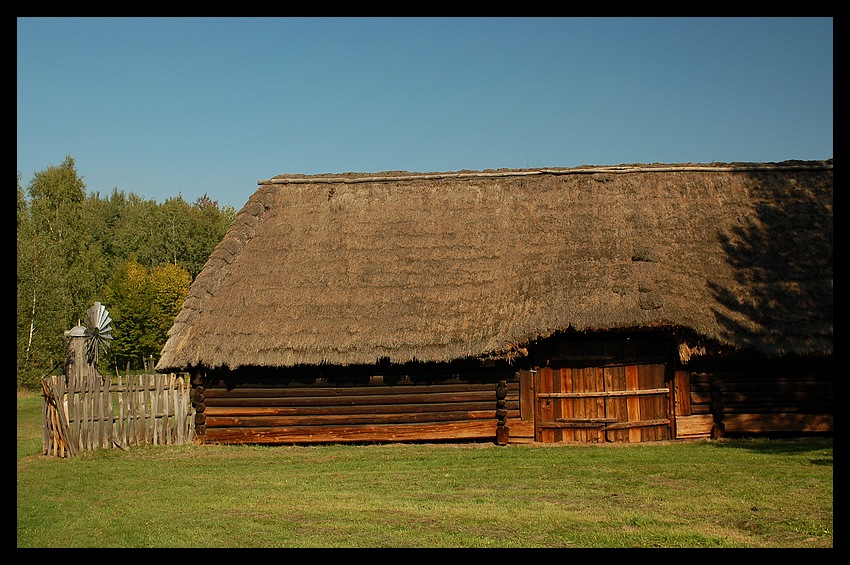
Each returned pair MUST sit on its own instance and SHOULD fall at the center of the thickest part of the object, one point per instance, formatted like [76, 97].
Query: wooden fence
[92, 412]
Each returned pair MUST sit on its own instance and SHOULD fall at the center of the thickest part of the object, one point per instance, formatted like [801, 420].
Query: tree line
[135, 256]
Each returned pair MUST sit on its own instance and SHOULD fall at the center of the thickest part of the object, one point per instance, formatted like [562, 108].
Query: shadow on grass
[818, 448]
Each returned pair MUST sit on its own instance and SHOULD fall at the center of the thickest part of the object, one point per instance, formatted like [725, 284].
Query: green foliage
[74, 249]
[48, 247]
[143, 305]
[170, 285]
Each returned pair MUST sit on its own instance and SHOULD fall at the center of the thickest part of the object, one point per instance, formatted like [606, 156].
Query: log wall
[764, 398]
[328, 412]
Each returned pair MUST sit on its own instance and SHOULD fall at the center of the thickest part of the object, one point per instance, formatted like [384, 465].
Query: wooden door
[627, 403]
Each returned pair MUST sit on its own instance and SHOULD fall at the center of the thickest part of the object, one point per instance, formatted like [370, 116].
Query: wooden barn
[628, 303]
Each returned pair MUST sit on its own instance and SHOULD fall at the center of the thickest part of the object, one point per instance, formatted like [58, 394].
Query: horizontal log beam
[613, 426]
[603, 393]
[768, 386]
[767, 397]
[343, 390]
[586, 420]
[353, 400]
[472, 430]
[366, 409]
[762, 423]
[345, 419]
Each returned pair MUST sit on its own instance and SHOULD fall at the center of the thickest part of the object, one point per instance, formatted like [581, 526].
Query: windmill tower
[86, 342]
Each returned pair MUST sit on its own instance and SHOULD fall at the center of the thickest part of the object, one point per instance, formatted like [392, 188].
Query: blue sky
[163, 107]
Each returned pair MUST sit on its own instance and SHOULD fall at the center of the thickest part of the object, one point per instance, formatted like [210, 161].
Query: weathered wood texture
[694, 427]
[600, 404]
[750, 398]
[329, 413]
[90, 412]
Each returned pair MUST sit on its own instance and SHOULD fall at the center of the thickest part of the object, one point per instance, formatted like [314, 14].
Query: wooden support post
[197, 397]
[718, 430]
[502, 432]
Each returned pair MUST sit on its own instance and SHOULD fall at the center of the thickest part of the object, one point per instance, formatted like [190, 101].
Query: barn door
[601, 404]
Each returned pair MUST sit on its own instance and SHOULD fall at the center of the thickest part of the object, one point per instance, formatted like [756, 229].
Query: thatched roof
[353, 268]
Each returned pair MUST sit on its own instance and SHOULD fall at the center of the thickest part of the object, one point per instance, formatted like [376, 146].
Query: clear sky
[163, 107]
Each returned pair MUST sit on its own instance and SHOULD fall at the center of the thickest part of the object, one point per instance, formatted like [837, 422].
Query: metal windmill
[98, 332]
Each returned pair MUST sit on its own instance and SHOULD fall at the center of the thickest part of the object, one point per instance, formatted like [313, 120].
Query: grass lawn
[746, 493]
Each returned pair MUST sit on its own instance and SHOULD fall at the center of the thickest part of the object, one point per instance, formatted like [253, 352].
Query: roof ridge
[809, 166]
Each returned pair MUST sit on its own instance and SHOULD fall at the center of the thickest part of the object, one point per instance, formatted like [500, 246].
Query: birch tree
[47, 235]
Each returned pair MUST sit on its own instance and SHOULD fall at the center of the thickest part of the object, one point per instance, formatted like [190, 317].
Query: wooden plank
[349, 409]
[681, 398]
[697, 426]
[599, 405]
[526, 395]
[763, 423]
[633, 402]
[661, 402]
[746, 383]
[135, 408]
[121, 422]
[341, 400]
[761, 400]
[575, 426]
[590, 402]
[471, 430]
[165, 411]
[557, 404]
[156, 426]
[658, 403]
[642, 424]
[176, 423]
[536, 391]
[145, 419]
[615, 382]
[82, 413]
[607, 393]
[565, 376]
[97, 412]
[56, 433]
[179, 416]
[647, 409]
[522, 431]
[771, 408]
[104, 416]
[346, 390]
[547, 409]
[774, 395]
[290, 421]
[580, 385]
[167, 402]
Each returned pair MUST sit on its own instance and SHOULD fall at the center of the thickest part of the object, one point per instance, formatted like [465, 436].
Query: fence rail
[93, 412]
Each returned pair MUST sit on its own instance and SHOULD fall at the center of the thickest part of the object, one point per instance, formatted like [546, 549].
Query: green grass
[734, 493]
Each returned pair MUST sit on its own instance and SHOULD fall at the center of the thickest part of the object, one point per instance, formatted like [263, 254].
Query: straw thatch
[354, 268]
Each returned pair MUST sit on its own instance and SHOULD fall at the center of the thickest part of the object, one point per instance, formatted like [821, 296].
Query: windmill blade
[96, 316]
[106, 329]
[98, 320]
[98, 330]
[91, 349]
[104, 322]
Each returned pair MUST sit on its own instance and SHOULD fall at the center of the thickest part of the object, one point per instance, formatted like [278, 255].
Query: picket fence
[94, 412]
